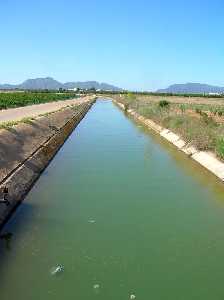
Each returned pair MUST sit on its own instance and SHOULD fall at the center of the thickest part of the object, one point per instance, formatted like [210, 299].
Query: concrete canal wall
[26, 150]
[206, 159]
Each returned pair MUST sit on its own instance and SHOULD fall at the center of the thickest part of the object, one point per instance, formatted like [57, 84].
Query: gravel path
[16, 114]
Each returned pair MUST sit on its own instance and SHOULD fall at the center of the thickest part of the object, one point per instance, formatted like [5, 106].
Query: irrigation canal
[125, 216]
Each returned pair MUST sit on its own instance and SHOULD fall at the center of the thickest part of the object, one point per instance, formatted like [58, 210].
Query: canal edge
[18, 181]
[207, 160]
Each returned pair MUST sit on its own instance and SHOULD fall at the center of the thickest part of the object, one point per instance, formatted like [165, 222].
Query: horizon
[137, 46]
[49, 77]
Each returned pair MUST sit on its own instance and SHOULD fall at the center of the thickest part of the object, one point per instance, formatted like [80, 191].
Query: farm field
[17, 99]
[181, 99]
[198, 120]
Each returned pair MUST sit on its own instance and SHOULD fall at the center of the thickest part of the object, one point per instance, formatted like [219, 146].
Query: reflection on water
[6, 238]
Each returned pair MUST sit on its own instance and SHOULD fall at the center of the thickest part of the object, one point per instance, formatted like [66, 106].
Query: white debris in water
[96, 286]
[92, 221]
[57, 270]
[132, 296]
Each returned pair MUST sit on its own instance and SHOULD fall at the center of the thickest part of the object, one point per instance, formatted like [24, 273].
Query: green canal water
[124, 213]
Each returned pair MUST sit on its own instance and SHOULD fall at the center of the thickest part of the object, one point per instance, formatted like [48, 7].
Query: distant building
[74, 89]
[214, 94]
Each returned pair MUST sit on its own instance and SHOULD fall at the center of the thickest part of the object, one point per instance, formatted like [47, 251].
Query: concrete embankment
[19, 113]
[206, 159]
[26, 149]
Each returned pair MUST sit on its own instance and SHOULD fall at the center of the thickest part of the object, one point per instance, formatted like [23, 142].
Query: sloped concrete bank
[26, 150]
[206, 159]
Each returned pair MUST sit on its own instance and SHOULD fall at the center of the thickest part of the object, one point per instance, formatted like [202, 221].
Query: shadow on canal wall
[26, 150]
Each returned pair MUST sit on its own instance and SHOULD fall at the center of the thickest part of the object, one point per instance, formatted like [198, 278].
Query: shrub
[129, 101]
[164, 103]
[182, 108]
[197, 110]
[126, 106]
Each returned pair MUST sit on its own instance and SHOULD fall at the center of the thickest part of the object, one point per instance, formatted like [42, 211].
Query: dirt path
[16, 114]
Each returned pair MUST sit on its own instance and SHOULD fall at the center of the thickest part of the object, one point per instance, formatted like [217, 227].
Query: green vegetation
[8, 125]
[182, 108]
[130, 99]
[200, 108]
[164, 103]
[16, 99]
[200, 129]
[220, 147]
[145, 93]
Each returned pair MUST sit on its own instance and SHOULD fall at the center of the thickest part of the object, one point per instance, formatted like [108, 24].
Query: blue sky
[140, 45]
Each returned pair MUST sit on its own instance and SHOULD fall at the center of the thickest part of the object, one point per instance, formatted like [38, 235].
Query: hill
[52, 84]
[192, 88]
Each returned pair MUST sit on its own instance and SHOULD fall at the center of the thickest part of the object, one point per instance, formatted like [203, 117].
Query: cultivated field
[17, 99]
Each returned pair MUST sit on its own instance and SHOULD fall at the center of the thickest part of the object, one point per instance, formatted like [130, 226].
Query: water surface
[124, 213]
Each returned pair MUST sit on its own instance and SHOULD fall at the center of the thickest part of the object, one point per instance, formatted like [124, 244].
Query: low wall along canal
[119, 214]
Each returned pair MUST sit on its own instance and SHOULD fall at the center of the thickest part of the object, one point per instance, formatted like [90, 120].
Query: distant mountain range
[192, 88]
[52, 84]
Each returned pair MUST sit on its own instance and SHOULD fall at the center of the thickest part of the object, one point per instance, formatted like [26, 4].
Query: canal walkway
[19, 113]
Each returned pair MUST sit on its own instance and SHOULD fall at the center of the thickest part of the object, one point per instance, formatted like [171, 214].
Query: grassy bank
[16, 99]
[191, 121]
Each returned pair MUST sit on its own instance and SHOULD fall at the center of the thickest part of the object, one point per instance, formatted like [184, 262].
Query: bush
[129, 101]
[182, 108]
[197, 110]
[126, 107]
[164, 103]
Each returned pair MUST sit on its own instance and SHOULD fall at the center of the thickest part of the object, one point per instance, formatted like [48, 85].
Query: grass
[10, 124]
[220, 147]
[16, 99]
[201, 130]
